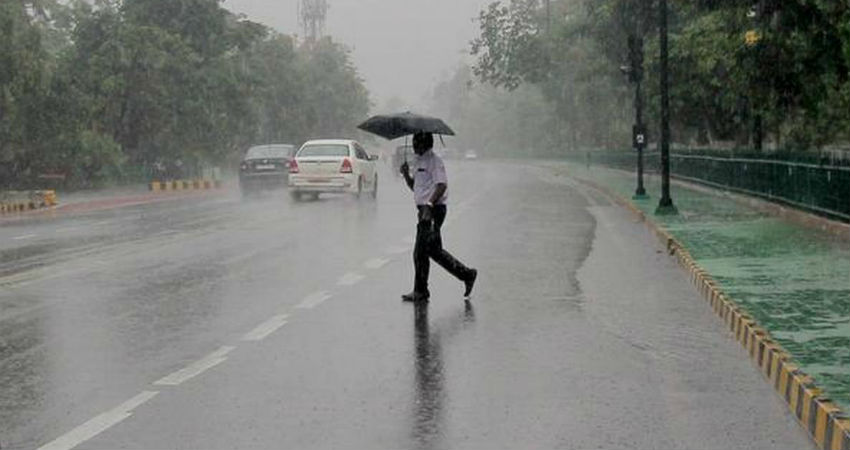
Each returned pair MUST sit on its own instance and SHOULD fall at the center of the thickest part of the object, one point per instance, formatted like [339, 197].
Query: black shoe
[415, 297]
[470, 282]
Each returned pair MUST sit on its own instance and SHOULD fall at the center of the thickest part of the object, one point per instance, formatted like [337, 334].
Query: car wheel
[359, 187]
[375, 188]
[295, 195]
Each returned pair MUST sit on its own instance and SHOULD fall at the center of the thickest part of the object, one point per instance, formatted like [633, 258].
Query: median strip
[816, 412]
[184, 185]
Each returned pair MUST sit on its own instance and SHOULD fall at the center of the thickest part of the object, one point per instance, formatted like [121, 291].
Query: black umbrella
[394, 126]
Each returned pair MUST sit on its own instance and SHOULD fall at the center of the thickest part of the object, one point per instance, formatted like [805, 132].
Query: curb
[16, 207]
[112, 202]
[37, 200]
[824, 420]
[184, 185]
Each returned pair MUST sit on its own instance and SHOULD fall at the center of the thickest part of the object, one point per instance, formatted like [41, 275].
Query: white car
[332, 166]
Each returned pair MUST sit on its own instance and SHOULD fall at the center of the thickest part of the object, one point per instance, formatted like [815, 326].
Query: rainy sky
[401, 47]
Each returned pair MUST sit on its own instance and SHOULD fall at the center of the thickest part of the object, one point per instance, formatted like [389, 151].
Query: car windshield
[324, 150]
[269, 151]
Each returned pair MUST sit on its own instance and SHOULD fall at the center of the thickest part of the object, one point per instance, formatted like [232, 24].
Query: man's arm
[440, 179]
[405, 172]
[439, 190]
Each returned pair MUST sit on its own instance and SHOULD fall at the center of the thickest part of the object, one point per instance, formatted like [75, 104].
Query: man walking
[429, 185]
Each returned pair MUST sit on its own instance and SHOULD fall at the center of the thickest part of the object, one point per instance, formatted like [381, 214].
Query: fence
[810, 182]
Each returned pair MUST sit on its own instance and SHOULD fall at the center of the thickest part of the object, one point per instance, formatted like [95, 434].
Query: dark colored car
[265, 166]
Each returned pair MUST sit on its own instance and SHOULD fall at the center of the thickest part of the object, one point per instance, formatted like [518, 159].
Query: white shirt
[428, 171]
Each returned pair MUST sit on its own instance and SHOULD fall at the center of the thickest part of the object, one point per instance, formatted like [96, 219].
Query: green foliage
[509, 48]
[22, 62]
[562, 57]
[101, 91]
[789, 87]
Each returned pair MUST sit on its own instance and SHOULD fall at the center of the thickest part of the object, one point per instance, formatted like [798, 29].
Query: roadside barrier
[27, 201]
[184, 185]
[813, 183]
[824, 420]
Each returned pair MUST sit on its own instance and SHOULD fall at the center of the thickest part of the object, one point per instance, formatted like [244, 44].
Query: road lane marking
[314, 300]
[350, 279]
[376, 263]
[98, 424]
[396, 250]
[198, 367]
[26, 236]
[266, 328]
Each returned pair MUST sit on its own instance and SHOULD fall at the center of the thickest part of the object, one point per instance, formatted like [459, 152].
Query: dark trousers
[429, 245]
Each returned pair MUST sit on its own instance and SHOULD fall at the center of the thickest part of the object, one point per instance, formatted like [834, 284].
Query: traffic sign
[638, 137]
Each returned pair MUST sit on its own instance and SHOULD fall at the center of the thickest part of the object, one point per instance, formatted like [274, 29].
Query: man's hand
[426, 213]
[405, 172]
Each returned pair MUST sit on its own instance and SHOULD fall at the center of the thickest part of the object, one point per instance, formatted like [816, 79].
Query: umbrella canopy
[394, 126]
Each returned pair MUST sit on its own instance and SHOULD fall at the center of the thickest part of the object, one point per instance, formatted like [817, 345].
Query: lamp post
[635, 73]
[665, 204]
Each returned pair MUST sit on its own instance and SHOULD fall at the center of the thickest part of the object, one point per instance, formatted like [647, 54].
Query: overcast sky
[401, 47]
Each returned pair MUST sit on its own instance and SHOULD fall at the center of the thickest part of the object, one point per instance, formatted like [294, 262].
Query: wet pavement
[221, 323]
[791, 278]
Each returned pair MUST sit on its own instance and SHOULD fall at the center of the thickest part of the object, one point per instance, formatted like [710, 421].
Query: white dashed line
[198, 367]
[314, 300]
[98, 424]
[376, 263]
[26, 236]
[266, 328]
[350, 279]
[396, 250]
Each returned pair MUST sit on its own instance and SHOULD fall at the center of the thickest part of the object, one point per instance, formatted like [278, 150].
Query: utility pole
[665, 205]
[639, 130]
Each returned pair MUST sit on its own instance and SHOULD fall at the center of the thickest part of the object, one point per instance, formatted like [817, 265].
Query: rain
[410, 224]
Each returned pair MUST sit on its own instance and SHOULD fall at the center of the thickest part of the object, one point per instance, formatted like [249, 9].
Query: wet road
[218, 323]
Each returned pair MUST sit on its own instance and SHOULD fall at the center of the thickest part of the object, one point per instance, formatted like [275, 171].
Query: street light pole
[665, 205]
[639, 132]
[640, 192]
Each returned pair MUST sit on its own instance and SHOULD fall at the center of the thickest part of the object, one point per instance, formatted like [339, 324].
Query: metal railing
[809, 182]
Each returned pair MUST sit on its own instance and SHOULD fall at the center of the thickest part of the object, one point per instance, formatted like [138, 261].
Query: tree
[789, 84]
[101, 91]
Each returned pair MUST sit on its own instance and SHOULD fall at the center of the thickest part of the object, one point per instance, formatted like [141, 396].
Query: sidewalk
[792, 279]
